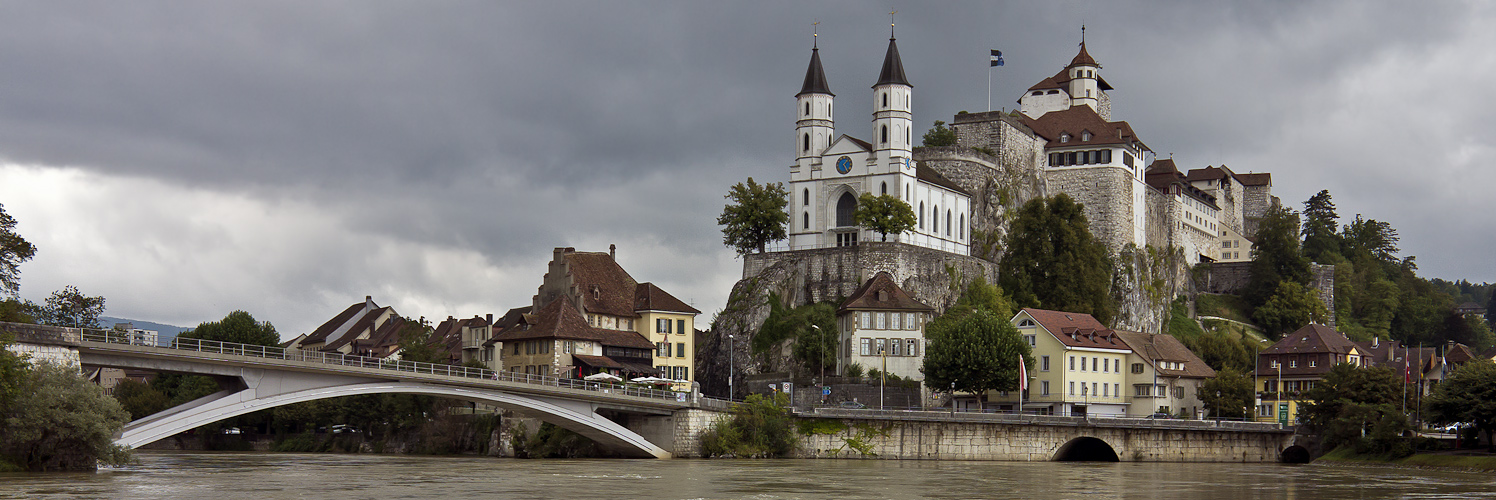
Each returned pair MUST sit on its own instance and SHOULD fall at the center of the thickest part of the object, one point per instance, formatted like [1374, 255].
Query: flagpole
[989, 87]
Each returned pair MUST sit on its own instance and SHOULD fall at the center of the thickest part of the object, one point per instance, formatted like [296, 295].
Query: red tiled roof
[1076, 329]
[604, 286]
[648, 297]
[1311, 339]
[562, 321]
[1209, 174]
[1077, 120]
[881, 294]
[1160, 347]
[320, 334]
[1083, 58]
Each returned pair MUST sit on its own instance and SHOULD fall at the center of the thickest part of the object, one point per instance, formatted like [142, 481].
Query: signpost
[1282, 414]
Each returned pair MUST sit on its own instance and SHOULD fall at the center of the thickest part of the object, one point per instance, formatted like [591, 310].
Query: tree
[883, 214]
[18, 311]
[1276, 256]
[1321, 228]
[59, 421]
[139, 399]
[977, 353]
[415, 342]
[237, 327]
[755, 217]
[939, 135]
[13, 251]
[1228, 395]
[760, 426]
[1291, 307]
[1052, 261]
[1468, 395]
[1491, 311]
[1352, 402]
[1370, 237]
[13, 369]
[815, 337]
[68, 307]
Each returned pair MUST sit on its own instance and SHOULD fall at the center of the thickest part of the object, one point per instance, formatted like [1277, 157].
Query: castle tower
[892, 115]
[815, 127]
[1084, 88]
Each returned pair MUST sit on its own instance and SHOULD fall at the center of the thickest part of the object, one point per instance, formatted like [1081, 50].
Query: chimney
[613, 251]
[490, 318]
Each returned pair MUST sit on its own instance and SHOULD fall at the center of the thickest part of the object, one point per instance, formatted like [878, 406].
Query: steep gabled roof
[815, 77]
[320, 334]
[604, 286]
[1076, 329]
[893, 67]
[881, 294]
[559, 320]
[648, 297]
[1160, 347]
[365, 322]
[1078, 119]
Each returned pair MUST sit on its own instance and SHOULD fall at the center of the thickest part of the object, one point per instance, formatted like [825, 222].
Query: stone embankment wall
[942, 439]
[1232, 278]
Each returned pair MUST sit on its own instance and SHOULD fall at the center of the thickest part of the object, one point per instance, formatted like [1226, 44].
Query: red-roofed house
[1291, 366]
[1079, 365]
[881, 318]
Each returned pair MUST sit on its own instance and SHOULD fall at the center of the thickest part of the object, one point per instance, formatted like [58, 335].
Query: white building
[883, 328]
[831, 171]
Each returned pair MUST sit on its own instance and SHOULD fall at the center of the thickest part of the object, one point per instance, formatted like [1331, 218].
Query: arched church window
[828, 110]
[885, 134]
[807, 108]
[935, 219]
[907, 137]
[961, 228]
[885, 99]
[807, 142]
[806, 223]
[844, 208]
[921, 215]
[883, 189]
[805, 197]
[947, 222]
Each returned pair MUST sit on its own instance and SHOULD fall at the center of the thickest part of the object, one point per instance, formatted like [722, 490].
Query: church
[831, 171]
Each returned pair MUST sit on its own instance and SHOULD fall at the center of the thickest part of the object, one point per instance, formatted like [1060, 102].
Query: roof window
[1085, 136]
[1065, 137]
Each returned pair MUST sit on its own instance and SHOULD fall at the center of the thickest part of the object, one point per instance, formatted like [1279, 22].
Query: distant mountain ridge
[165, 332]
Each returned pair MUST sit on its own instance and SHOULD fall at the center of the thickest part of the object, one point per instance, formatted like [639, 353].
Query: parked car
[1161, 416]
[231, 430]
[852, 405]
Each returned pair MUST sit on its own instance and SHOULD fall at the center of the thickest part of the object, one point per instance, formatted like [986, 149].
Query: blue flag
[997, 58]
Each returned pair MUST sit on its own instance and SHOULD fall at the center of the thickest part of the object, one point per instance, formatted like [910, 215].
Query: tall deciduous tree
[1052, 261]
[59, 421]
[884, 214]
[1321, 228]
[238, 327]
[69, 307]
[939, 135]
[13, 251]
[1291, 307]
[1352, 402]
[1468, 395]
[977, 353]
[415, 342]
[755, 217]
[1228, 395]
[1276, 256]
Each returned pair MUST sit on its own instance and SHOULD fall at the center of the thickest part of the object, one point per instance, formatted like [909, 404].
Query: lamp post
[821, 360]
[730, 345]
[883, 375]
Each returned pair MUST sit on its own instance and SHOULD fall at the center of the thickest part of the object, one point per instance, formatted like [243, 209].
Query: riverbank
[1468, 460]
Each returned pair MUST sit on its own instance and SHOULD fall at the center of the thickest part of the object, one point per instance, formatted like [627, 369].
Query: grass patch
[1224, 306]
[1347, 455]
[1247, 333]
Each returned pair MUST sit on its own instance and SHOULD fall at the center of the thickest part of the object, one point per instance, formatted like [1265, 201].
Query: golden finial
[814, 37]
[890, 23]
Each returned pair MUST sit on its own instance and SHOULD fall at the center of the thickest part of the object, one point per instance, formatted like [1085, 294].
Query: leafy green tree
[182, 388]
[1053, 262]
[1491, 311]
[68, 307]
[1351, 402]
[815, 336]
[759, 427]
[1289, 309]
[1371, 237]
[13, 369]
[1468, 395]
[237, 327]
[1276, 257]
[977, 353]
[13, 251]
[139, 399]
[18, 311]
[1321, 225]
[416, 343]
[884, 214]
[59, 421]
[755, 216]
[939, 135]
[1228, 395]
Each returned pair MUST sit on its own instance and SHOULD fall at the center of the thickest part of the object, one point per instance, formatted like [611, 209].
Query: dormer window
[882, 295]
[1064, 138]
[597, 292]
[1085, 136]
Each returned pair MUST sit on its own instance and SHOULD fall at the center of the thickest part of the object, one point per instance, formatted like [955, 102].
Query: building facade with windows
[882, 327]
[1291, 366]
[1079, 366]
[831, 171]
[1164, 376]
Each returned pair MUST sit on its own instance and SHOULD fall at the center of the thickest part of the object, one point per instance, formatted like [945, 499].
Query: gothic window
[805, 197]
[807, 108]
[947, 222]
[885, 99]
[907, 139]
[844, 208]
[885, 134]
[935, 219]
[921, 215]
[806, 223]
[883, 189]
[961, 228]
[806, 147]
[828, 110]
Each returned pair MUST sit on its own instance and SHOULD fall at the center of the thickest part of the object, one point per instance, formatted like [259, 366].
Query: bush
[759, 427]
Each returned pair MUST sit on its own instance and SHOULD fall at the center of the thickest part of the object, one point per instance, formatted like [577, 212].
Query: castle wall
[1256, 201]
[828, 273]
[1107, 194]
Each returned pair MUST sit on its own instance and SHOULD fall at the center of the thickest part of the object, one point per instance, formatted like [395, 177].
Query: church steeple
[815, 76]
[893, 118]
[893, 68]
[815, 126]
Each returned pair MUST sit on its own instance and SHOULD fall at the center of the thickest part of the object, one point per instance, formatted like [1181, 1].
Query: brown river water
[276, 476]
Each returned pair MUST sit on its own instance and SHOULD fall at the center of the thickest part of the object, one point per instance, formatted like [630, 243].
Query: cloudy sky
[186, 159]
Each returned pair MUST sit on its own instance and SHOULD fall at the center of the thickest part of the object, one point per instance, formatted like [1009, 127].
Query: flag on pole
[997, 58]
[1407, 371]
[1022, 375]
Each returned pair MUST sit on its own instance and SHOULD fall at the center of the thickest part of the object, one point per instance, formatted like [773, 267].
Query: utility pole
[822, 361]
[730, 348]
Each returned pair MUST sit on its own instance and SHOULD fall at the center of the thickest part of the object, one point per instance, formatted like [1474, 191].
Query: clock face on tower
[844, 164]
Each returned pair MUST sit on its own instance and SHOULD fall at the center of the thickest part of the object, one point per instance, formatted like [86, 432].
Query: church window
[807, 108]
[907, 138]
[844, 208]
[805, 197]
[828, 110]
[921, 215]
[885, 134]
[885, 99]
[947, 222]
[935, 219]
[806, 141]
[961, 228]
[883, 189]
[806, 223]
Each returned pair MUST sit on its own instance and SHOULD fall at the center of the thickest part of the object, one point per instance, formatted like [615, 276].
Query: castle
[1061, 140]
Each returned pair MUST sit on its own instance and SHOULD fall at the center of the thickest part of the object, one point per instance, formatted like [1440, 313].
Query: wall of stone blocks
[1107, 195]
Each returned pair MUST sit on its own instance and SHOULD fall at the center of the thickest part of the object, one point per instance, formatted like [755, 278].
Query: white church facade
[831, 171]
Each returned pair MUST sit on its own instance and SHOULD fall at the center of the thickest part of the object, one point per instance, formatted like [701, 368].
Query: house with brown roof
[557, 341]
[364, 329]
[607, 298]
[1290, 367]
[1165, 376]
[1080, 366]
[1193, 211]
[882, 327]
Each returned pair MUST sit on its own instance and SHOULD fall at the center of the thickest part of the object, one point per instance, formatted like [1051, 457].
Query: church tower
[815, 127]
[1084, 88]
[892, 115]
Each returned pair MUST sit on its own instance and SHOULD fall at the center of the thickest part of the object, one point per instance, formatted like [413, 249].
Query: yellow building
[1079, 366]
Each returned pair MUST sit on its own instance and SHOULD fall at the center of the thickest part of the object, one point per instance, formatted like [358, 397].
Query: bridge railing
[348, 360]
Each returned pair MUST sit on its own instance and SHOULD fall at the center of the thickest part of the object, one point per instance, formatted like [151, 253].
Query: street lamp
[883, 375]
[730, 345]
[822, 360]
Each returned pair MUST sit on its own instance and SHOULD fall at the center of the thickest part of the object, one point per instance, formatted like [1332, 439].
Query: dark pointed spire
[893, 68]
[815, 77]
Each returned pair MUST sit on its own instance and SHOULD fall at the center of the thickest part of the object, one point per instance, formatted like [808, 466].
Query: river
[276, 476]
